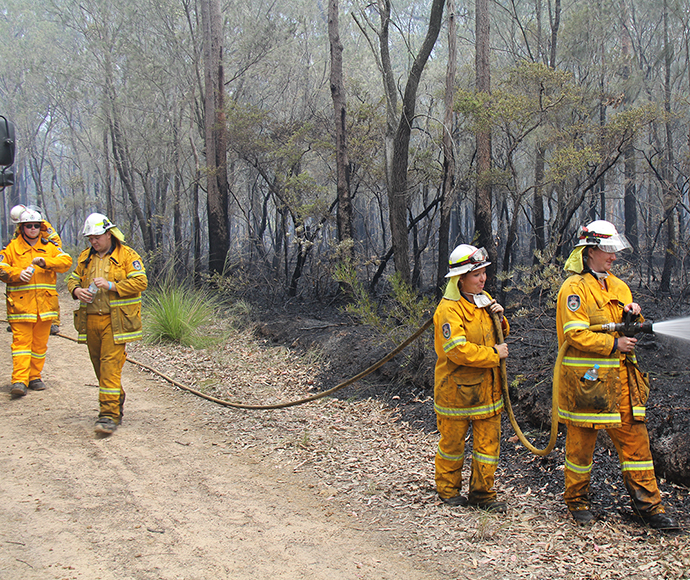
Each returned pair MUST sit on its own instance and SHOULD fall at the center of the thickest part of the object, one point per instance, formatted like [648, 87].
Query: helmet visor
[606, 243]
[479, 256]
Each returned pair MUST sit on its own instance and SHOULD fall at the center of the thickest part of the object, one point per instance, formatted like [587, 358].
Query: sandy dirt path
[165, 497]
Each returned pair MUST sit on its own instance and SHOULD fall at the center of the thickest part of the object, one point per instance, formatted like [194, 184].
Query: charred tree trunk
[484, 194]
[215, 135]
[448, 193]
[344, 211]
[397, 193]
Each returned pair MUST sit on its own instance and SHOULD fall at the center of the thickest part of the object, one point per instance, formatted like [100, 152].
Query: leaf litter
[361, 456]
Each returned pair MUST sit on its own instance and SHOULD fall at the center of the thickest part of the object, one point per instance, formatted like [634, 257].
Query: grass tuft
[180, 313]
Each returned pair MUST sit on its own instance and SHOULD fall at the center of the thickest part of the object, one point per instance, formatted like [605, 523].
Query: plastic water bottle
[92, 289]
[592, 374]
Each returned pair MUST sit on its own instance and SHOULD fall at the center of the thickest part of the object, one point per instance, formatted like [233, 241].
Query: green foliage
[180, 313]
[362, 305]
[396, 318]
[532, 288]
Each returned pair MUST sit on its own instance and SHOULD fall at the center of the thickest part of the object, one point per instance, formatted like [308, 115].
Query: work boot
[660, 521]
[18, 390]
[492, 506]
[37, 385]
[582, 517]
[105, 425]
[456, 500]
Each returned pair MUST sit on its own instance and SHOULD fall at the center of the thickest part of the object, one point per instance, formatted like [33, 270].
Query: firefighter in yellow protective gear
[614, 401]
[108, 282]
[28, 265]
[467, 383]
[49, 234]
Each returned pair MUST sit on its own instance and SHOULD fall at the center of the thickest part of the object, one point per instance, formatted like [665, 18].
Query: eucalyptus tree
[400, 123]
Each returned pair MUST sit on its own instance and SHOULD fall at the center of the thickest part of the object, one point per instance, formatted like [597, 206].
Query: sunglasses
[32, 226]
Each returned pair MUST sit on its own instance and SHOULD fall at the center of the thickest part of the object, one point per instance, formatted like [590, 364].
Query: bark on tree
[483, 195]
[397, 193]
[344, 210]
[215, 135]
[669, 195]
[448, 192]
[630, 164]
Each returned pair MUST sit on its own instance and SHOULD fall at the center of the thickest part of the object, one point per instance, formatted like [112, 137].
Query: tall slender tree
[215, 135]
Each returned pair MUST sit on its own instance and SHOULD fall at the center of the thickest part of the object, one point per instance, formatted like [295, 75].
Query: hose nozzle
[629, 328]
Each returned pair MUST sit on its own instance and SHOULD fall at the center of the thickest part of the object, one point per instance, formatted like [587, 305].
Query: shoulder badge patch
[573, 302]
[445, 329]
[136, 265]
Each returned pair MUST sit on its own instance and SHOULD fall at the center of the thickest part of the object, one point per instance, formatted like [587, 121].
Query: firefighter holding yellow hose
[467, 389]
[615, 399]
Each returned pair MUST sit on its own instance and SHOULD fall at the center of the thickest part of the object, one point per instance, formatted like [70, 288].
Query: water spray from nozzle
[676, 327]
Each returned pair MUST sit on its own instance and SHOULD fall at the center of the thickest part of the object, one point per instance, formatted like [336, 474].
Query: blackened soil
[406, 382]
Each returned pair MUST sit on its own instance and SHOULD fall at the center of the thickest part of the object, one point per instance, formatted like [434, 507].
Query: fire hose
[320, 395]
[628, 328]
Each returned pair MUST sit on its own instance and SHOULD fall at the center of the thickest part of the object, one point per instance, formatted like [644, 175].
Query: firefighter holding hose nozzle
[615, 399]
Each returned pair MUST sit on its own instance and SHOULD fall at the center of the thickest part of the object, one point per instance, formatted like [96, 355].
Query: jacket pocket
[597, 395]
[638, 383]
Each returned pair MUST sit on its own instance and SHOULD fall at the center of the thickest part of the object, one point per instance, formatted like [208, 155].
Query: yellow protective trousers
[486, 444]
[632, 443]
[107, 359]
[29, 347]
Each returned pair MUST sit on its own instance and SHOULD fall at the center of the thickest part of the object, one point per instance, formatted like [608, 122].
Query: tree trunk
[448, 192]
[215, 135]
[630, 172]
[344, 211]
[483, 196]
[669, 199]
[397, 193]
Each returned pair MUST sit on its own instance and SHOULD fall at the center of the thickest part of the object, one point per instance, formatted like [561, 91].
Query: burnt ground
[406, 384]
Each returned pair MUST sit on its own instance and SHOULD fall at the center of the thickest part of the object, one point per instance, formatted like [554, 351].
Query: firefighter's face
[600, 261]
[32, 230]
[100, 243]
[473, 282]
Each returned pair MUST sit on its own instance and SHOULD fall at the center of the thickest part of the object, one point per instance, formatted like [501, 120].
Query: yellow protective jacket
[37, 298]
[467, 383]
[126, 270]
[583, 303]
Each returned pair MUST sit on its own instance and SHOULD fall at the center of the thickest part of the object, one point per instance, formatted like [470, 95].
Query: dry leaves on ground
[359, 455]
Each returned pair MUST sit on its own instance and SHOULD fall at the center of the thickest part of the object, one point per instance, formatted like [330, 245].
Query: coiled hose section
[554, 395]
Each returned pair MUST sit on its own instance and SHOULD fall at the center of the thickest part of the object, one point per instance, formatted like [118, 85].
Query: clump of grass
[180, 313]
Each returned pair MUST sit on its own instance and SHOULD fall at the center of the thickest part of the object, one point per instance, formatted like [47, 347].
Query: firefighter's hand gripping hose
[554, 396]
[321, 395]
[628, 328]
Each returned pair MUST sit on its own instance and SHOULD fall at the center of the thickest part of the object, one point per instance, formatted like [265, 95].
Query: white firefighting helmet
[21, 214]
[97, 224]
[16, 212]
[603, 235]
[466, 258]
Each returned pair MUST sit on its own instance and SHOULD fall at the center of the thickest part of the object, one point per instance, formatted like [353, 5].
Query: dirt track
[338, 489]
[165, 497]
